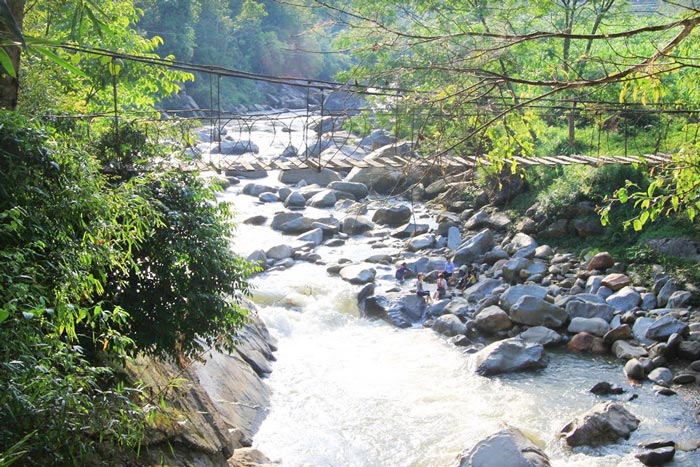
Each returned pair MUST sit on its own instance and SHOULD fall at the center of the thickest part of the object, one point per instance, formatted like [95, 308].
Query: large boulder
[624, 299]
[474, 247]
[662, 328]
[508, 356]
[393, 215]
[311, 176]
[507, 447]
[492, 319]
[596, 326]
[616, 281]
[355, 225]
[522, 245]
[533, 311]
[379, 179]
[541, 335]
[358, 274]
[587, 309]
[358, 190]
[604, 424]
[449, 325]
[323, 199]
[516, 292]
[420, 242]
[481, 289]
[410, 230]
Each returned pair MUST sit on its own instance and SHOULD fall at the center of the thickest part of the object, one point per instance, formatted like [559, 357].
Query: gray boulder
[481, 289]
[379, 179]
[311, 176]
[358, 190]
[475, 247]
[323, 199]
[533, 311]
[604, 424]
[661, 329]
[507, 447]
[541, 335]
[522, 245]
[236, 148]
[314, 236]
[255, 189]
[634, 369]
[358, 274]
[355, 225]
[639, 330]
[585, 309]
[449, 325]
[626, 351]
[295, 200]
[678, 299]
[454, 238]
[512, 267]
[421, 242]
[661, 375]
[410, 230]
[508, 356]
[516, 292]
[596, 326]
[280, 252]
[492, 319]
[665, 292]
[393, 215]
[624, 299]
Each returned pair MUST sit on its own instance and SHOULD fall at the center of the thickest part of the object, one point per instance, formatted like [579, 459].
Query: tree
[10, 42]
[496, 77]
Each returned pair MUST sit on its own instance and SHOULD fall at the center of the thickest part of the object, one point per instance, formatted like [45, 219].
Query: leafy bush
[188, 283]
[59, 236]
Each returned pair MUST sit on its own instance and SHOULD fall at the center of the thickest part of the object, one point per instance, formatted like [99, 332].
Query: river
[348, 391]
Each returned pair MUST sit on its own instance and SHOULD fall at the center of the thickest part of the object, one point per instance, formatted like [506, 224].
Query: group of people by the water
[460, 279]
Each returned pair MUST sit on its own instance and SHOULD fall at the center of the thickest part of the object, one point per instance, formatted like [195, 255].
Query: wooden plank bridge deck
[342, 162]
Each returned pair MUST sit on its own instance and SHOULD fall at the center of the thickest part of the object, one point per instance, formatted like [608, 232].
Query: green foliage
[60, 236]
[193, 288]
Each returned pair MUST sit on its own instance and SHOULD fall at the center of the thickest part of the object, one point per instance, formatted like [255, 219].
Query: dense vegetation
[105, 250]
[519, 79]
[264, 37]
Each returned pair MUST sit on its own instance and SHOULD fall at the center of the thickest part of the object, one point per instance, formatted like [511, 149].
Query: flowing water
[347, 391]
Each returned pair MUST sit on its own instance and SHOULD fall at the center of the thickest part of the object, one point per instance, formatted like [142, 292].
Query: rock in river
[510, 355]
[604, 424]
[507, 447]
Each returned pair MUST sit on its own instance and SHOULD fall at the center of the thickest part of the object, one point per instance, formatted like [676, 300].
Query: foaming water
[347, 391]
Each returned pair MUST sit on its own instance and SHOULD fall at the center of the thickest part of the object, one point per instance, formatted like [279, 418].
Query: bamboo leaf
[6, 63]
[59, 61]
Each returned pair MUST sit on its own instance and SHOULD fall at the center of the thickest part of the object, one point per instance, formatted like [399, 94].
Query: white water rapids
[347, 391]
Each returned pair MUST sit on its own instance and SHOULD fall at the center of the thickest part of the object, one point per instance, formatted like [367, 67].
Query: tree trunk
[9, 85]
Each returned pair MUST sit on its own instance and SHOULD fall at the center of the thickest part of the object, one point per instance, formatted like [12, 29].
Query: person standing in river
[450, 269]
[401, 273]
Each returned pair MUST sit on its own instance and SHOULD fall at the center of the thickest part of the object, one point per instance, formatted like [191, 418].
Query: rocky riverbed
[528, 300]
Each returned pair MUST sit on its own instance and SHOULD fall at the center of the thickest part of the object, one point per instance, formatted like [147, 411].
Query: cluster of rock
[214, 405]
[528, 296]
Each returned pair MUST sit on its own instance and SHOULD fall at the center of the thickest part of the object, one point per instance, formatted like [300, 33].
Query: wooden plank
[524, 160]
[355, 163]
[627, 159]
[451, 162]
[570, 159]
[373, 163]
[656, 159]
[248, 167]
[283, 165]
[464, 161]
[391, 161]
